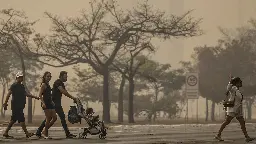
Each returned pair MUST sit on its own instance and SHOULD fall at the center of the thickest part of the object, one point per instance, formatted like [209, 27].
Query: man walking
[19, 93]
[57, 91]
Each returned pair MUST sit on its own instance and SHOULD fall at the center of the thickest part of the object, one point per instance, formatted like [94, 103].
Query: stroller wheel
[102, 136]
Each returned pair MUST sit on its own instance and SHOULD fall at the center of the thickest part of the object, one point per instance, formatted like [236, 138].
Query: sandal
[46, 137]
[7, 136]
[249, 139]
[218, 138]
[29, 135]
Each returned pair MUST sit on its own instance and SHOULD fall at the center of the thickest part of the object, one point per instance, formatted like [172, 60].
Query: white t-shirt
[235, 94]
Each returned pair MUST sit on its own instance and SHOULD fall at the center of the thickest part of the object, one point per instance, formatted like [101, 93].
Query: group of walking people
[50, 103]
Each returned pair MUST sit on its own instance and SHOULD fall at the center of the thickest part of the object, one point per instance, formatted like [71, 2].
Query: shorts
[18, 115]
[49, 106]
[238, 113]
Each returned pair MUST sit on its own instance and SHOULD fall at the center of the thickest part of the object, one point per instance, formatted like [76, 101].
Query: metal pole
[197, 111]
[186, 117]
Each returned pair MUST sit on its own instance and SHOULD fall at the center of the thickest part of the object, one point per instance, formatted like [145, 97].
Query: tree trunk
[130, 102]
[34, 107]
[30, 112]
[106, 103]
[150, 114]
[154, 105]
[207, 109]
[120, 100]
[249, 109]
[213, 112]
[24, 82]
[3, 95]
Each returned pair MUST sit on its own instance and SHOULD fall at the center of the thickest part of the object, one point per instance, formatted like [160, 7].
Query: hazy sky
[224, 13]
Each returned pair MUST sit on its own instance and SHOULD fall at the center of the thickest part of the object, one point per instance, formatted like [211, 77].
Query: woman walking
[47, 103]
[236, 97]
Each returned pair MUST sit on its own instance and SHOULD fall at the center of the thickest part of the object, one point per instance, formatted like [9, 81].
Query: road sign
[192, 81]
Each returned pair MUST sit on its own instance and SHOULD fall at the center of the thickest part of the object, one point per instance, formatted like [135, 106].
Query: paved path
[143, 134]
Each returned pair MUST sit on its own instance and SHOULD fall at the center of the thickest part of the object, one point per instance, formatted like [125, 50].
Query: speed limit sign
[192, 81]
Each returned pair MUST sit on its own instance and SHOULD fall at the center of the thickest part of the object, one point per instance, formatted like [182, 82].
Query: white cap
[19, 74]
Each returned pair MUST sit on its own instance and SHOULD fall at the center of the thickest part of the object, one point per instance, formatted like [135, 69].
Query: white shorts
[238, 113]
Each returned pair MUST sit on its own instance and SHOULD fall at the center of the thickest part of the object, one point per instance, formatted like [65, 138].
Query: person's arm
[64, 91]
[28, 94]
[239, 94]
[233, 93]
[7, 98]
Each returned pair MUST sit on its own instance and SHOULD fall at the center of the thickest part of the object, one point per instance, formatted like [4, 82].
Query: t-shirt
[237, 97]
[18, 96]
[56, 94]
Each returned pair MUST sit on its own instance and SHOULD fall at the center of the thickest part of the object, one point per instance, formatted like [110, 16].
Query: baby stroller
[96, 126]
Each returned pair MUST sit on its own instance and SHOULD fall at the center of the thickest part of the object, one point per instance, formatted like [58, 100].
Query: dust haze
[229, 14]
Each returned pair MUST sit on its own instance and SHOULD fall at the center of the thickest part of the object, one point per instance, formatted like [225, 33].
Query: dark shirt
[18, 96]
[47, 95]
[56, 94]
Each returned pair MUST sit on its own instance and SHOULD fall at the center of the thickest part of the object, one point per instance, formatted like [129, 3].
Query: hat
[19, 74]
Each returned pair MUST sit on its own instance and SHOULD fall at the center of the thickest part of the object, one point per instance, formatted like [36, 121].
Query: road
[143, 134]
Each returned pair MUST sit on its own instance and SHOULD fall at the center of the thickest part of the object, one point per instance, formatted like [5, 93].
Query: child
[90, 116]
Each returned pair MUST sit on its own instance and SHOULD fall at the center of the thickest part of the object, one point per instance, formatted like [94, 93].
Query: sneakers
[70, 136]
[249, 139]
[218, 138]
[38, 135]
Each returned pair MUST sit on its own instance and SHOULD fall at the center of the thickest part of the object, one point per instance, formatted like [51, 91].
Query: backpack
[73, 116]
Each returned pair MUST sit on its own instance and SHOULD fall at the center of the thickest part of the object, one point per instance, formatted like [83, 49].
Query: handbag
[227, 103]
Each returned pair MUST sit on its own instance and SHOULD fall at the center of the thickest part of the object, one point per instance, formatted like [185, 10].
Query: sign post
[192, 81]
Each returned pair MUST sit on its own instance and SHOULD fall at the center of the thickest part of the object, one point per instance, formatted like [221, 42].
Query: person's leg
[12, 121]
[61, 114]
[48, 118]
[242, 124]
[224, 124]
[54, 117]
[21, 120]
[5, 134]
[41, 127]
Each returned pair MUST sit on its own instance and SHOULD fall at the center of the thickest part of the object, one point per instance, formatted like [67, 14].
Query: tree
[85, 39]
[162, 80]
[241, 56]
[233, 55]
[129, 66]
[88, 86]
[4, 72]
[242, 41]
[15, 33]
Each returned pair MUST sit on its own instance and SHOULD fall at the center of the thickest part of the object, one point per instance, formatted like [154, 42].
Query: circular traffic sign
[192, 80]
